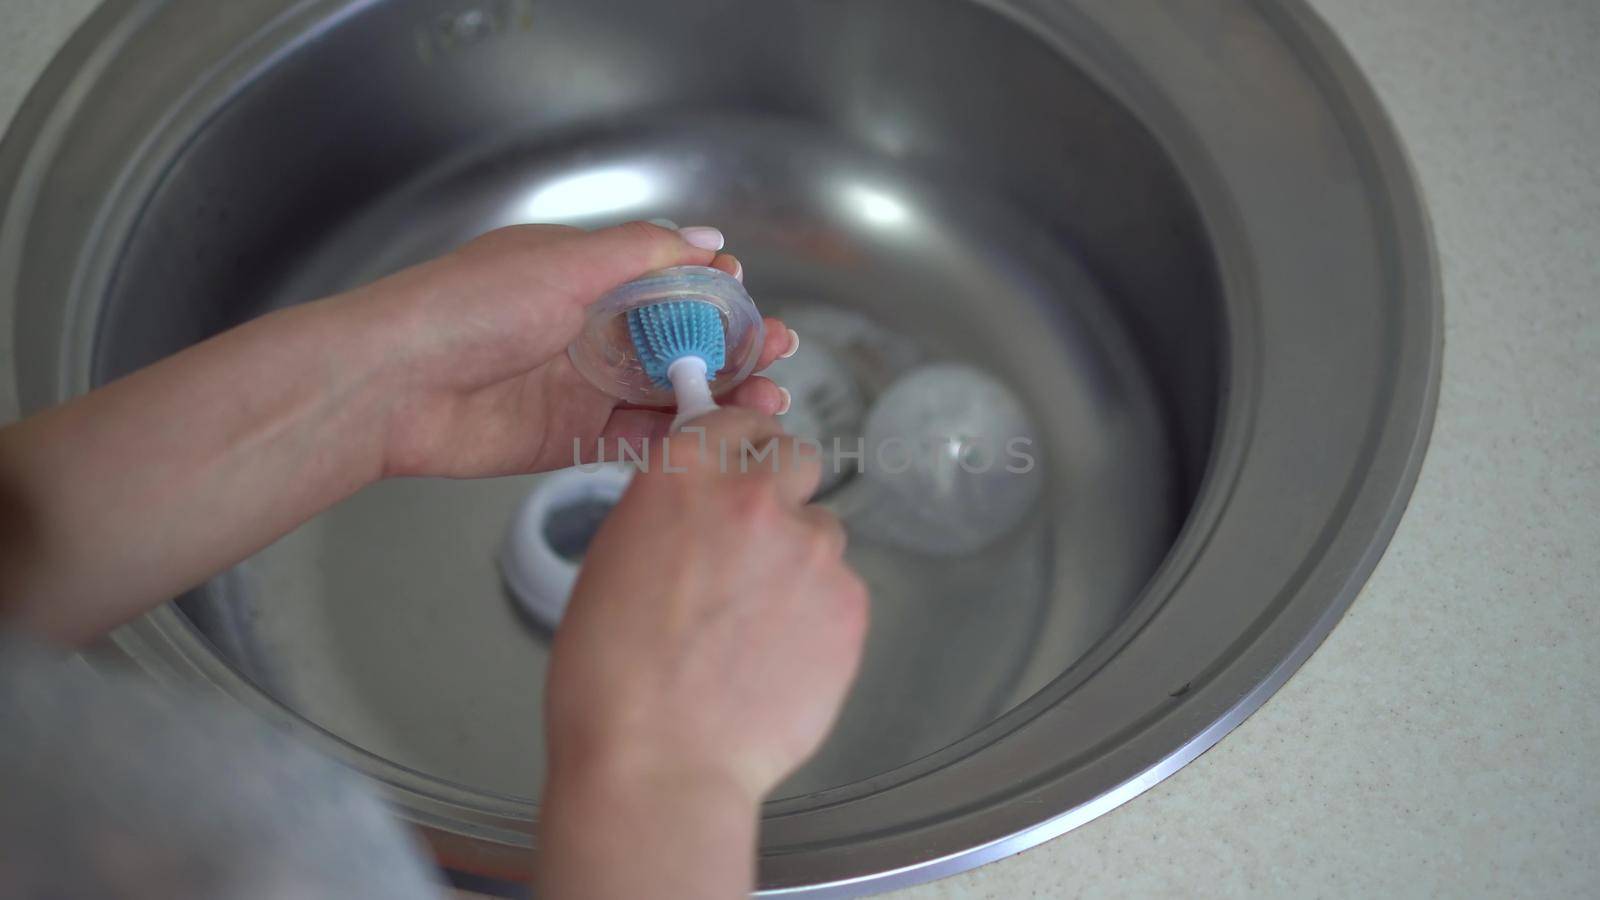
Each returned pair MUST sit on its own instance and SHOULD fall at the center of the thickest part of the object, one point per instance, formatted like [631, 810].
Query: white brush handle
[688, 377]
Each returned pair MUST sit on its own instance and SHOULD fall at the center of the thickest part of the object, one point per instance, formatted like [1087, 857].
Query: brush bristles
[664, 333]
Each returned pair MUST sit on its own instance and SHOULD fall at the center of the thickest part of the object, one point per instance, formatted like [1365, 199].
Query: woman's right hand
[710, 641]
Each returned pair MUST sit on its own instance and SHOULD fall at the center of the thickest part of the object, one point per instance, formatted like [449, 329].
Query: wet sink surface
[385, 621]
[1178, 243]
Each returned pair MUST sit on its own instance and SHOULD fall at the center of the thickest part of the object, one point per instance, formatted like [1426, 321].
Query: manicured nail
[702, 236]
[786, 400]
[665, 223]
[794, 345]
[738, 269]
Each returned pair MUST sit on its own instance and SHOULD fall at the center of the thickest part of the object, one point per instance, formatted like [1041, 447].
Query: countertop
[1445, 740]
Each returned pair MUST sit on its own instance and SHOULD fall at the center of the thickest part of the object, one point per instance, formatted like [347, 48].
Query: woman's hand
[715, 628]
[126, 497]
[709, 643]
[479, 379]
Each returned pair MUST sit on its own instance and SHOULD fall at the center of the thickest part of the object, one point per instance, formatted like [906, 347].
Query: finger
[756, 444]
[600, 260]
[520, 237]
[639, 429]
[729, 263]
[727, 433]
[731, 429]
[800, 471]
[794, 465]
[781, 342]
[759, 394]
[828, 527]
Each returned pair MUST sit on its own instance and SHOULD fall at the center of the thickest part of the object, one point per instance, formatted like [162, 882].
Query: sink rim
[1392, 469]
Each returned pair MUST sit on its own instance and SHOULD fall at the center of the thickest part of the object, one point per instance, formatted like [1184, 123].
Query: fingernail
[665, 223]
[794, 345]
[786, 400]
[702, 236]
[738, 270]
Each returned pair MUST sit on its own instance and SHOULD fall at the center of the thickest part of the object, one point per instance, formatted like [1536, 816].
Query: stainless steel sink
[1183, 236]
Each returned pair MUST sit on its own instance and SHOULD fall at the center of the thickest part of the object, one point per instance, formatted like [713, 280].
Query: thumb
[601, 260]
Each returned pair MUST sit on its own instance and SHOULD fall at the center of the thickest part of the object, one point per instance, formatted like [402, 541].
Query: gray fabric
[110, 787]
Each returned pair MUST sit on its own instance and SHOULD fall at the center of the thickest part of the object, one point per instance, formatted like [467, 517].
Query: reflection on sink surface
[384, 620]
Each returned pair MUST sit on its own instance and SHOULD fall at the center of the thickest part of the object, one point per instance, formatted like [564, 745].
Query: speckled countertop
[1445, 740]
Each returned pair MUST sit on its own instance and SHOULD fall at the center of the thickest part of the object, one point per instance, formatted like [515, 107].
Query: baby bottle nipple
[675, 337]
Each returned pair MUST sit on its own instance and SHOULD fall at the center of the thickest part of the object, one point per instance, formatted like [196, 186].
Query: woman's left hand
[480, 380]
[125, 497]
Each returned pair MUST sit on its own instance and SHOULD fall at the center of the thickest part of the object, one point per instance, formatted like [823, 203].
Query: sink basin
[1184, 240]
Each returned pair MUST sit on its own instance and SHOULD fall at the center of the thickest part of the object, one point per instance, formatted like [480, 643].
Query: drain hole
[571, 527]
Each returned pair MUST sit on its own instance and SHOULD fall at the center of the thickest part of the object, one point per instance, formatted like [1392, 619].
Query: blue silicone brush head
[664, 333]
